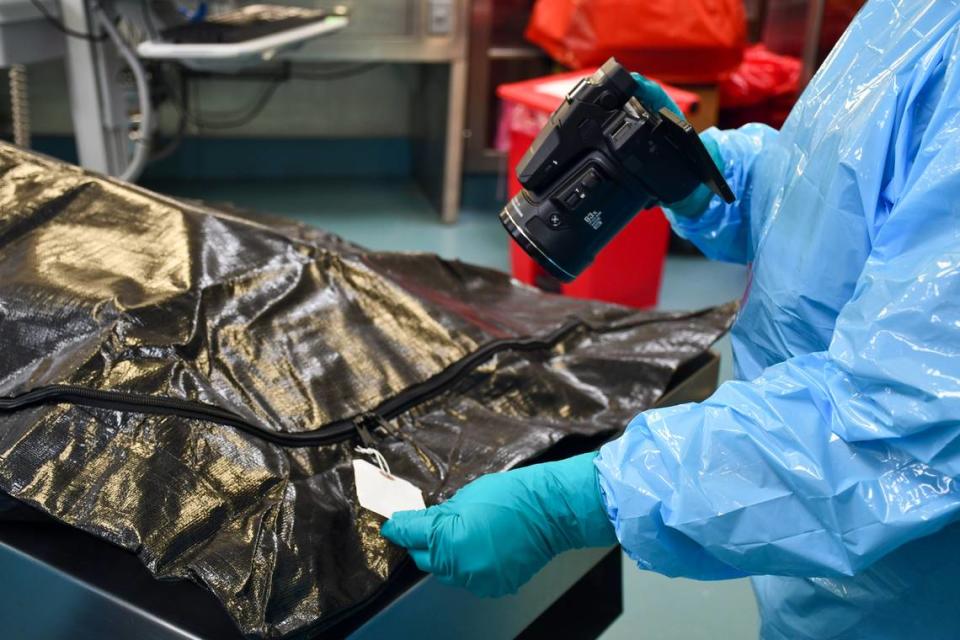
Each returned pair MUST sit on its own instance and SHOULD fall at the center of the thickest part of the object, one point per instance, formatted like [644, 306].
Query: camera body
[601, 158]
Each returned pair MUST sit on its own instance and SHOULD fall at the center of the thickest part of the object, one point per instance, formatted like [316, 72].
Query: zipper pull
[370, 448]
[368, 422]
[383, 424]
[365, 436]
[369, 444]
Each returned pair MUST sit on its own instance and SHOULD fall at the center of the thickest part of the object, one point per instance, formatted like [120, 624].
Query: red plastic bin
[629, 269]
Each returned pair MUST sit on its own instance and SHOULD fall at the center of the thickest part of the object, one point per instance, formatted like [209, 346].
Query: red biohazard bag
[682, 42]
[762, 89]
[761, 76]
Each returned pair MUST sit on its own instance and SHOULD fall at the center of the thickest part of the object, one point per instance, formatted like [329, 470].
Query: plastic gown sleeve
[826, 461]
[722, 232]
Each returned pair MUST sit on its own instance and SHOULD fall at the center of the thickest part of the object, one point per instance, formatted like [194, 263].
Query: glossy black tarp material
[107, 286]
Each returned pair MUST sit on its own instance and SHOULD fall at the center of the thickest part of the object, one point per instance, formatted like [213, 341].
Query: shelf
[235, 54]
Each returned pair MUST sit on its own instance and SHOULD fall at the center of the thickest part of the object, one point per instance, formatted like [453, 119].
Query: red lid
[546, 93]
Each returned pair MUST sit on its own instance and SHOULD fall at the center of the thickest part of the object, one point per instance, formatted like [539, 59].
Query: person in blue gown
[828, 470]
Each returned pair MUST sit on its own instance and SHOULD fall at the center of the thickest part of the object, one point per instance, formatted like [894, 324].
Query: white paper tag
[382, 493]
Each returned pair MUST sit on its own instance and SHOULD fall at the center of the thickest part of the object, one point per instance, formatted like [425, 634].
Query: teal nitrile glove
[652, 96]
[501, 529]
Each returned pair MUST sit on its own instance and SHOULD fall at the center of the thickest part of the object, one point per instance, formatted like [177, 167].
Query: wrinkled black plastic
[105, 286]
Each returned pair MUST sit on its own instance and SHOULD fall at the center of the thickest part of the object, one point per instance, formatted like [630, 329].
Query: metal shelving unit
[498, 54]
[431, 34]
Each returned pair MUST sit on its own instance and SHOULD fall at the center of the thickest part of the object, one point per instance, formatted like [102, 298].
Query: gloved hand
[654, 98]
[652, 95]
[501, 529]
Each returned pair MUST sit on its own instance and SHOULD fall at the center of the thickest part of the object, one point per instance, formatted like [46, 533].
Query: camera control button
[608, 101]
[574, 198]
[590, 179]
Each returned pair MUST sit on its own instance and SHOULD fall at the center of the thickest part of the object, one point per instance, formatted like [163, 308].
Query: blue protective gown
[828, 471]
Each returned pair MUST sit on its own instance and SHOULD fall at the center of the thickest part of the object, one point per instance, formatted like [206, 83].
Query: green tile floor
[393, 215]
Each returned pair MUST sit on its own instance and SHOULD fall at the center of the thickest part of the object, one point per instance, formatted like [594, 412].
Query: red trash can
[628, 270]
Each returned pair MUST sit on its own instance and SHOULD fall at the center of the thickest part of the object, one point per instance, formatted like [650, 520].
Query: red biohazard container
[628, 270]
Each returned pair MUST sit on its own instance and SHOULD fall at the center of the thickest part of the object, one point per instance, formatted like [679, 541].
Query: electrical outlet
[440, 17]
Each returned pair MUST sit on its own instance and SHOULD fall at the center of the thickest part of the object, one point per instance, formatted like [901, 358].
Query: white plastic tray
[220, 54]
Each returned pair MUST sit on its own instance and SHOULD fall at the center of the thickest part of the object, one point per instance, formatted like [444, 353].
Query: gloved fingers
[652, 95]
[410, 529]
[713, 148]
[432, 561]
[421, 557]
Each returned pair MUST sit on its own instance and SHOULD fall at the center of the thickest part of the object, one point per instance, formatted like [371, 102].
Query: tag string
[381, 461]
